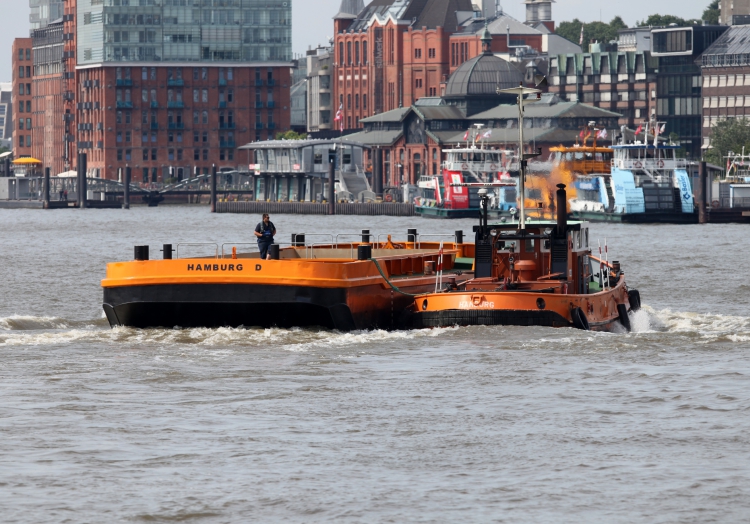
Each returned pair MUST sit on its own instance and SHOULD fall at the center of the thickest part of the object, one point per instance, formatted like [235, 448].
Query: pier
[314, 208]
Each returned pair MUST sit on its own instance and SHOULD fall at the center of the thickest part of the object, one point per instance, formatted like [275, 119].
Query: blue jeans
[263, 245]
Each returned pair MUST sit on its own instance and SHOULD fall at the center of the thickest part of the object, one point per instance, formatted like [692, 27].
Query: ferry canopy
[26, 161]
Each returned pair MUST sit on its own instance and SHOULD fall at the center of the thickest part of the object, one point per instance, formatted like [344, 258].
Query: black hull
[238, 305]
[474, 317]
[638, 218]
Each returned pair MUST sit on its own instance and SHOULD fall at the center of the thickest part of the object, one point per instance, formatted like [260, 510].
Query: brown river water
[485, 424]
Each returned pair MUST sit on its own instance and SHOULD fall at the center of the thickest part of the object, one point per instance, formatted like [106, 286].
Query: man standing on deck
[265, 231]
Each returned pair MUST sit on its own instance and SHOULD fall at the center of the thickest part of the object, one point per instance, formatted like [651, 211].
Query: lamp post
[520, 92]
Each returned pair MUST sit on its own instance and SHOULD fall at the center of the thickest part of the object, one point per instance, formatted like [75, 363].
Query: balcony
[154, 105]
[258, 105]
[176, 105]
[176, 82]
[258, 83]
[154, 126]
[227, 125]
[271, 82]
[271, 104]
[227, 144]
[258, 125]
[124, 82]
[222, 105]
[124, 105]
[176, 125]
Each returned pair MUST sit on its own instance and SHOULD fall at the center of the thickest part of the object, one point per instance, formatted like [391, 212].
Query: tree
[291, 135]
[728, 135]
[712, 13]
[593, 31]
[666, 21]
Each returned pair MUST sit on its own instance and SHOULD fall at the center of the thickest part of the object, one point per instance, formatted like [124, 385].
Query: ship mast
[520, 92]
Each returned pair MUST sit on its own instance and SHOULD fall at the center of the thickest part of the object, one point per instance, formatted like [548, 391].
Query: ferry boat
[443, 196]
[644, 183]
[315, 281]
[534, 273]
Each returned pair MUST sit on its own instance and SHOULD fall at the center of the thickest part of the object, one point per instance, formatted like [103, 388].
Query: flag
[638, 131]
[583, 133]
[602, 134]
[580, 40]
[466, 135]
[663, 126]
[487, 134]
[340, 117]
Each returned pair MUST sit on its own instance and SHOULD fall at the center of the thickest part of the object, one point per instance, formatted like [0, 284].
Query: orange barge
[332, 285]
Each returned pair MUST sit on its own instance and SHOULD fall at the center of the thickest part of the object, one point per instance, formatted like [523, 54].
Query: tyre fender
[634, 297]
[579, 319]
[622, 311]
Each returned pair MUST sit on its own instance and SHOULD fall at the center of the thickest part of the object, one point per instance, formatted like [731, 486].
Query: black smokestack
[562, 210]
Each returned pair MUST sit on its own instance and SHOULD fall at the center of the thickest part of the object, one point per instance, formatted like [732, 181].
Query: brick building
[23, 67]
[726, 79]
[391, 53]
[48, 105]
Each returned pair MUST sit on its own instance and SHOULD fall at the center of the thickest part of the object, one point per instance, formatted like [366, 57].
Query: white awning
[68, 174]
[7, 153]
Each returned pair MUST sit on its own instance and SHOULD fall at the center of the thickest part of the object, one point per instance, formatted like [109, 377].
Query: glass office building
[44, 11]
[184, 31]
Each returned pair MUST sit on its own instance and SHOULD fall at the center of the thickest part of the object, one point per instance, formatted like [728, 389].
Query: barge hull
[253, 305]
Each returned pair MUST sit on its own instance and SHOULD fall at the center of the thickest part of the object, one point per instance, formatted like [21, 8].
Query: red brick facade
[23, 67]
[167, 121]
[386, 67]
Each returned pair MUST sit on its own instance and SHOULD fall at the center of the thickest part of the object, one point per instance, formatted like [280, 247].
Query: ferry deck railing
[649, 164]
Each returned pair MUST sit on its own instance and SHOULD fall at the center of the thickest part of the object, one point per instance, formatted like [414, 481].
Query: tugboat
[646, 183]
[443, 196]
[533, 273]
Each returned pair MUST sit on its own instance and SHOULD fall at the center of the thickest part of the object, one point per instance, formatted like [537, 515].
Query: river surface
[484, 424]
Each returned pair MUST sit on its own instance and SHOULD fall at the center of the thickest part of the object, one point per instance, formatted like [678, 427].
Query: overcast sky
[313, 24]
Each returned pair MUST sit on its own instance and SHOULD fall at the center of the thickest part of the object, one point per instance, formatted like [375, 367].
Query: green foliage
[666, 21]
[291, 135]
[594, 31]
[731, 134]
[712, 13]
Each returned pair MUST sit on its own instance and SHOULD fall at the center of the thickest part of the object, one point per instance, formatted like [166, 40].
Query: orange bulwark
[330, 285]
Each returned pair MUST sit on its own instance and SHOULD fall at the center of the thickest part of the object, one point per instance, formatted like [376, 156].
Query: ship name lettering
[214, 267]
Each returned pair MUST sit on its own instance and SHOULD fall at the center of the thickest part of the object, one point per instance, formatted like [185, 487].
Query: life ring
[660, 164]
[622, 312]
[464, 167]
[388, 197]
[493, 167]
[637, 164]
[579, 319]
[715, 204]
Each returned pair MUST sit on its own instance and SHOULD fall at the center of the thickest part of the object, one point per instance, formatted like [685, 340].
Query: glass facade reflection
[184, 31]
[44, 11]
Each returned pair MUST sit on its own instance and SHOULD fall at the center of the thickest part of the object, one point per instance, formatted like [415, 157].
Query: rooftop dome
[482, 76]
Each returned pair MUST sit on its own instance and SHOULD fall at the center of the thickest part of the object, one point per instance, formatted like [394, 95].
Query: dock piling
[702, 201]
[126, 190]
[45, 188]
[213, 189]
[331, 188]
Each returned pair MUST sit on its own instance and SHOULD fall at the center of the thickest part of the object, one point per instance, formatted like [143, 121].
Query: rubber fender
[622, 310]
[579, 319]
[634, 297]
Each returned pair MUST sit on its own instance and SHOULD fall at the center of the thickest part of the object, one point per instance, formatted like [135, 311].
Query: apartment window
[364, 53]
[153, 73]
[20, 106]
[356, 101]
[205, 154]
[431, 53]
[20, 54]
[21, 89]
[341, 53]
[356, 53]
[145, 155]
[145, 174]
[144, 73]
[196, 136]
[170, 154]
[230, 95]
[196, 154]
[417, 53]
[418, 83]
[153, 154]
[119, 136]
[28, 124]
[144, 138]
[20, 72]
[119, 155]
[20, 141]
[196, 117]
[205, 117]
[28, 54]
[179, 154]
[348, 101]
[153, 137]
[196, 96]
[204, 96]
[128, 154]
[127, 117]
[20, 124]
[205, 137]
[364, 102]
[204, 73]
